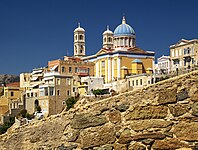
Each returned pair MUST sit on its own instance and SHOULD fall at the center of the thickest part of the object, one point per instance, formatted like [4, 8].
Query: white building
[184, 54]
[164, 64]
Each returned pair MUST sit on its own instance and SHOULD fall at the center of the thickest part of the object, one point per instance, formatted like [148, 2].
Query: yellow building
[11, 102]
[119, 56]
[184, 54]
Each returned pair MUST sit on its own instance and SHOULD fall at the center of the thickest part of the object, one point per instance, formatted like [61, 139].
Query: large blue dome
[124, 29]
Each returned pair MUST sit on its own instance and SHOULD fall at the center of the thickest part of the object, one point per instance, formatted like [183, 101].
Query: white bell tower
[79, 42]
[108, 38]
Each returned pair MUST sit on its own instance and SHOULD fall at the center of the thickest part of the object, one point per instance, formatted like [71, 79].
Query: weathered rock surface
[163, 116]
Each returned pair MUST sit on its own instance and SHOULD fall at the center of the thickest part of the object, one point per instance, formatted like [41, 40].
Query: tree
[70, 102]
[38, 108]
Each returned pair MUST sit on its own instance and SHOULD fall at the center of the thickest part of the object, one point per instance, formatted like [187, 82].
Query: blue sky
[32, 32]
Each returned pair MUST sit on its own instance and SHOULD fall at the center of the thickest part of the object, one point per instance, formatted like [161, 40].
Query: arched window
[81, 37]
[81, 49]
[105, 39]
[109, 39]
[76, 37]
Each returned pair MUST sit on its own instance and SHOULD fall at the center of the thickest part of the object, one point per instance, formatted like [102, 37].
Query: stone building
[184, 54]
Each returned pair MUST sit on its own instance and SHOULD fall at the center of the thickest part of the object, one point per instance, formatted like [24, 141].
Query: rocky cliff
[5, 78]
[163, 116]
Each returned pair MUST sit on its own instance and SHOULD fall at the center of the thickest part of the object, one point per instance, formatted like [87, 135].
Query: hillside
[162, 116]
[5, 78]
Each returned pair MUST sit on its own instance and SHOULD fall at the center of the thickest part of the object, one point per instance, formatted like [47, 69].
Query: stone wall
[163, 116]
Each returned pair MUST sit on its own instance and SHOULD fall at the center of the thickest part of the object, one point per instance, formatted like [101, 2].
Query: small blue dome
[137, 61]
[124, 29]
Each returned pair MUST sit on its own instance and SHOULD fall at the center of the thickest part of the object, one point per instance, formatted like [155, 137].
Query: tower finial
[79, 24]
[107, 27]
[123, 20]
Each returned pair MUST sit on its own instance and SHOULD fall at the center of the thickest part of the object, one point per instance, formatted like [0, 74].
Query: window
[88, 70]
[193, 61]
[140, 81]
[51, 90]
[70, 69]
[76, 37]
[109, 39]
[58, 81]
[35, 94]
[105, 40]
[31, 94]
[68, 93]
[46, 91]
[12, 93]
[81, 37]
[136, 82]
[133, 83]
[68, 81]
[63, 69]
[74, 89]
[58, 92]
[28, 94]
[76, 69]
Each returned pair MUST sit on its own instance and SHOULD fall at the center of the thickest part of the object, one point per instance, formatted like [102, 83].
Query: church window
[140, 81]
[76, 37]
[105, 39]
[136, 82]
[109, 39]
[81, 37]
[81, 49]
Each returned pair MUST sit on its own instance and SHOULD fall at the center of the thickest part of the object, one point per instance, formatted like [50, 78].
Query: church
[119, 56]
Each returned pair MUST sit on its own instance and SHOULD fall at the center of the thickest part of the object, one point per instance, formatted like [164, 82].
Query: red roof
[14, 84]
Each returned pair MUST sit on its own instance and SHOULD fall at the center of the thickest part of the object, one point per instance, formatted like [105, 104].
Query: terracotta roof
[14, 84]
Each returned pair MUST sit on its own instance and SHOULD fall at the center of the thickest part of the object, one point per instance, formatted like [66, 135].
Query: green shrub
[70, 102]
[7, 125]
[22, 113]
[38, 108]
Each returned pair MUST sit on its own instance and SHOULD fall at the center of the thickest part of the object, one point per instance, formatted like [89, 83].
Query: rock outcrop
[5, 78]
[163, 116]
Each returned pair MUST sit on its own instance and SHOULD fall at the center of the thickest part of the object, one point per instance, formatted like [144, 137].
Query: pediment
[181, 42]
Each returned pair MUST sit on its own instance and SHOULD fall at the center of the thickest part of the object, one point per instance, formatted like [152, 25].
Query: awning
[48, 78]
[37, 71]
[53, 68]
[36, 84]
[34, 78]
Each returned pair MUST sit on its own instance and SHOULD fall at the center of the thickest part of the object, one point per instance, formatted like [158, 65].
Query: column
[100, 67]
[118, 67]
[112, 69]
[109, 69]
[97, 69]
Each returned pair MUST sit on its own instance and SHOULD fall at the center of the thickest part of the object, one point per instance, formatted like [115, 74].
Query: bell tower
[79, 42]
[108, 38]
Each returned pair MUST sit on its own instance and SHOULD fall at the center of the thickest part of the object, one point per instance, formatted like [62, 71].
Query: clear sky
[32, 32]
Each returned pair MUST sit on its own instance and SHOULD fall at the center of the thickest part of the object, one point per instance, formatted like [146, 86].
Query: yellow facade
[114, 67]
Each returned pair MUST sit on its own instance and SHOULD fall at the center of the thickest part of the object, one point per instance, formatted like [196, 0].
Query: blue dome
[124, 29]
